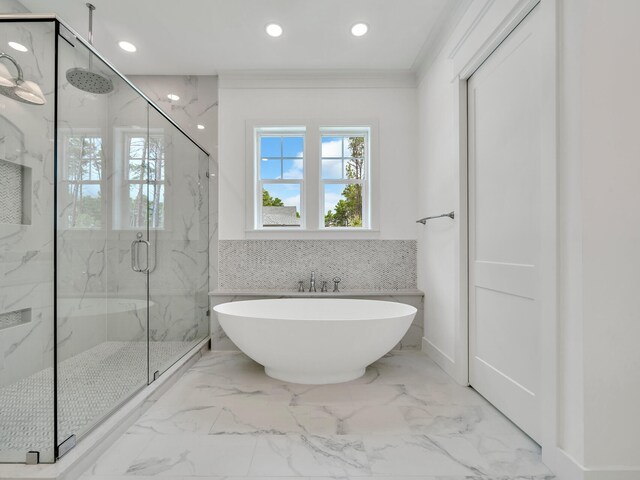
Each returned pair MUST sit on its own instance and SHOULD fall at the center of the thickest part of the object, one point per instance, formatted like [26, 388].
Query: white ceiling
[205, 37]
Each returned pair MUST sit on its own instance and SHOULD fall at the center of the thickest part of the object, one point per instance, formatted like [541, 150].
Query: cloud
[295, 171]
[332, 148]
[331, 199]
[292, 201]
[332, 169]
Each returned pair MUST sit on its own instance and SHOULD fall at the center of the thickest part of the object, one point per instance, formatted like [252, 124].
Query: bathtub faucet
[312, 285]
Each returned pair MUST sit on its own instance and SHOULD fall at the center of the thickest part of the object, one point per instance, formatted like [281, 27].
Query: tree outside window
[344, 168]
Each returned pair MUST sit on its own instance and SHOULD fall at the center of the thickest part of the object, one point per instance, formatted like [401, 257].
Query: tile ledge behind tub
[293, 293]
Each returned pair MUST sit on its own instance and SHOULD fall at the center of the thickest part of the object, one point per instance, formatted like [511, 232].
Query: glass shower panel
[179, 237]
[26, 242]
[102, 235]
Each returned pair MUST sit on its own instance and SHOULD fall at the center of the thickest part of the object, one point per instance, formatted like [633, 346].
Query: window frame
[279, 132]
[312, 170]
[365, 182]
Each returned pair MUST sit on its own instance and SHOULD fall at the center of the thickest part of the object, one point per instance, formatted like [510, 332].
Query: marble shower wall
[12, 6]
[280, 264]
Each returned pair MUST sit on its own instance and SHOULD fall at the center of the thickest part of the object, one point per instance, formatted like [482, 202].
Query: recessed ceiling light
[359, 29]
[18, 46]
[127, 47]
[200, 127]
[173, 97]
[274, 30]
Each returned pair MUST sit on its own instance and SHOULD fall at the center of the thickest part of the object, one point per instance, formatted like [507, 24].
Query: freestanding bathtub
[315, 340]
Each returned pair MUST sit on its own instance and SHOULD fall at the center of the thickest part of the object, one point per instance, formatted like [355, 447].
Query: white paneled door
[504, 110]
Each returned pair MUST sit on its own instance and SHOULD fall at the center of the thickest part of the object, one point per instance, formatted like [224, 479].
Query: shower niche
[104, 234]
[15, 193]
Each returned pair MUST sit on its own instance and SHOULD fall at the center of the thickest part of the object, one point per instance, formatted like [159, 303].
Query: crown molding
[438, 37]
[274, 79]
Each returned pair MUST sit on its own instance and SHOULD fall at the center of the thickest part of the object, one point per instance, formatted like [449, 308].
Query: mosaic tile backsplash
[280, 264]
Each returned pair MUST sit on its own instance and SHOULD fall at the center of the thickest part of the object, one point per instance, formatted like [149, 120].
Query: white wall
[607, 73]
[598, 233]
[438, 174]
[395, 110]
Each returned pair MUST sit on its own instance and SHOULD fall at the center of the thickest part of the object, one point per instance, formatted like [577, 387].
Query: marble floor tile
[194, 455]
[349, 420]
[117, 458]
[316, 420]
[421, 455]
[324, 395]
[170, 421]
[309, 455]
[196, 392]
[247, 419]
[404, 419]
[222, 368]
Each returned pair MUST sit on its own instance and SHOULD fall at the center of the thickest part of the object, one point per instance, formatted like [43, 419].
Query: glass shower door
[102, 230]
[179, 238]
[26, 247]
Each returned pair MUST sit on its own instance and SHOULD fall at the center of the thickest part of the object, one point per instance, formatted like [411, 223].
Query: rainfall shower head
[88, 79]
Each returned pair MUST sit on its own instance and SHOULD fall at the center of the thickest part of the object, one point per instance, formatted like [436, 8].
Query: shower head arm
[20, 77]
[91, 8]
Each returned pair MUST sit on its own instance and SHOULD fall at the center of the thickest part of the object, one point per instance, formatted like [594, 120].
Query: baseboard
[565, 467]
[89, 448]
[562, 464]
[444, 361]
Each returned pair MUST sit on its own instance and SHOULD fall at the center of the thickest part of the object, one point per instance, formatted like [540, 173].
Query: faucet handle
[324, 286]
[336, 281]
[300, 286]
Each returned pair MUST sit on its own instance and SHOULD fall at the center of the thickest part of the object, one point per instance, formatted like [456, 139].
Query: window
[311, 178]
[145, 163]
[83, 182]
[344, 175]
[280, 178]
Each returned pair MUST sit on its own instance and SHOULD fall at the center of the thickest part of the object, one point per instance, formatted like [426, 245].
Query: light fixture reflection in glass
[274, 30]
[127, 46]
[18, 46]
[30, 91]
[16, 87]
[359, 29]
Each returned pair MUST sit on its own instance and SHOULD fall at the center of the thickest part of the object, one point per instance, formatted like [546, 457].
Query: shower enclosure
[104, 241]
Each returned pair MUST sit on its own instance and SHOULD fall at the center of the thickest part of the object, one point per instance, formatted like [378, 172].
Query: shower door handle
[146, 268]
[135, 256]
[135, 264]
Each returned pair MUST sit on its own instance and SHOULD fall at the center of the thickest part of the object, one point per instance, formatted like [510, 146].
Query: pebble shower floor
[90, 384]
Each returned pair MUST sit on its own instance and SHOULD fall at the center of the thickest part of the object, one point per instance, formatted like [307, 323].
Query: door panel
[179, 240]
[504, 97]
[101, 308]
